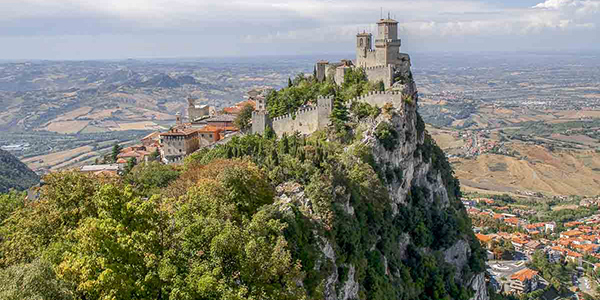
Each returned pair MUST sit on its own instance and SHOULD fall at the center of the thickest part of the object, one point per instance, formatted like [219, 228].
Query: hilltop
[360, 204]
[14, 174]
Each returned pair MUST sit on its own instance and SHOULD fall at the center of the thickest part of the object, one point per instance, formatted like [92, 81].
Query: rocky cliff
[409, 239]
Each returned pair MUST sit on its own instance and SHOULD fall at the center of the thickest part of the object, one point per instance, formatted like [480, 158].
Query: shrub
[387, 135]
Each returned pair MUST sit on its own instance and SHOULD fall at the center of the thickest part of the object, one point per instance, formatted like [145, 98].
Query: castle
[385, 63]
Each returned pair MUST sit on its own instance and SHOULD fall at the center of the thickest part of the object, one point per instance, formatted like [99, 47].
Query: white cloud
[292, 24]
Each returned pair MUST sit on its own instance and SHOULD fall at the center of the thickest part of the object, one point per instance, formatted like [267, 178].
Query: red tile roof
[523, 275]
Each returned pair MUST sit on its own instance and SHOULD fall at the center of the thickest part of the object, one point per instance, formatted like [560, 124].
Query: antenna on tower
[381, 14]
[388, 14]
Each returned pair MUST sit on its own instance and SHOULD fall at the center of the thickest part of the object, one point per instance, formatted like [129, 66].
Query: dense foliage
[14, 174]
[216, 228]
[304, 90]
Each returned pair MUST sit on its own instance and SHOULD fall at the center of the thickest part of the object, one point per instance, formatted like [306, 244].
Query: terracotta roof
[151, 136]
[512, 221]
[572, 233]
[237, 108]
[484, 238]
[533, 244]
[574, 254]
[134, 153]
[211, 129]
[523, 275]
[519, 241]
[179, 132]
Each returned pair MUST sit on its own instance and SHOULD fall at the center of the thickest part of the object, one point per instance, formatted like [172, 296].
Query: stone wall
[368, 59]
[260, 121]
[305, 121]
[379, 99]
[381, 73]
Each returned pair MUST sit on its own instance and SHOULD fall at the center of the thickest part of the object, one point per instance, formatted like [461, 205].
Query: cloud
[289, 26]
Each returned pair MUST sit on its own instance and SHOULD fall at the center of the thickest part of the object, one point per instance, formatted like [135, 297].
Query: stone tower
[387, 44]
[261, 103]
[322, 70]
[363, 48]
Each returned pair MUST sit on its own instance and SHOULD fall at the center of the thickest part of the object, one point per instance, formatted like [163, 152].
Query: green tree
[242, 121]
[339, 115]
[115, 152]
[132, 162]
[380, 86]
[35, 280]
[151, 177]
[155, 156]
[9, 203]
[117, 254]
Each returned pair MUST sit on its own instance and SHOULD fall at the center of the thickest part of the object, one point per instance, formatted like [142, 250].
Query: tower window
[361, 42]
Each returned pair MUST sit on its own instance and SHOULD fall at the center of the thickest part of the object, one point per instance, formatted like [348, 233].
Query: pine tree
[290, 84]
[339, 114]
[315, 74]
[380, 86]
[115, 152]
[285, 145]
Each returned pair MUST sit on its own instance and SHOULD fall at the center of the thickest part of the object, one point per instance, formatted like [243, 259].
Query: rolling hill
[14, 174]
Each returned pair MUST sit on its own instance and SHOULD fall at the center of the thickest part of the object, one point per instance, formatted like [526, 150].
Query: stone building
[177, 143]
[383, 62]
[197, 111]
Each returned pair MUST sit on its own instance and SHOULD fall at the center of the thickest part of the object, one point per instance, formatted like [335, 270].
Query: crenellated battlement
[375, 67]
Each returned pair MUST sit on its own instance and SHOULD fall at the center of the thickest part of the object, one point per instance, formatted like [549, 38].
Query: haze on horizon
[117, 29]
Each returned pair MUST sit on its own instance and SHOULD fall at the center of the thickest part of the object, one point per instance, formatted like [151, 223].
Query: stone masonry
[384, 63]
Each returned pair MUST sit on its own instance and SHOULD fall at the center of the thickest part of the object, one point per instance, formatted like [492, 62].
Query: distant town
[519, 245]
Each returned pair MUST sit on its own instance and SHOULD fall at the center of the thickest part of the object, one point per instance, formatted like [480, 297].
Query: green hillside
[14, 174]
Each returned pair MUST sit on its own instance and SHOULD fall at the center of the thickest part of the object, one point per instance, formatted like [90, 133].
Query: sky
[119, 29]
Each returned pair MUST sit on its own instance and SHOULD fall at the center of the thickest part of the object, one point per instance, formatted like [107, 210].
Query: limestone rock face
[416, 171]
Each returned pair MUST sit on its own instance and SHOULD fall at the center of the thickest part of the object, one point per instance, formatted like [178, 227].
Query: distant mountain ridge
[14, 174]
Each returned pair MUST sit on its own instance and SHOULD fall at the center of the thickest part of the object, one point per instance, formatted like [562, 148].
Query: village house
[518, 243]
[555, 253]
[209, 134]
[574, 257]
[485, 240]
[151, 140]
[524, 281]
[238, 107]
[570, 234]
[178, 143]
[514, 222]
[139, 152]
[532, 246]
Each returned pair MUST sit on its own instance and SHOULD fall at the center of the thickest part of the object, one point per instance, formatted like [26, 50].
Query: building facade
[382, 60]
[177, 143]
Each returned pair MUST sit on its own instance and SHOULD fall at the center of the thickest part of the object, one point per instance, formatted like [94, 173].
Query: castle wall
[260, 121]
[321, 71]
[305, 122]
[383, 73]
[340, 73]
[368, 60]
[325, 107]
[379, 99]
